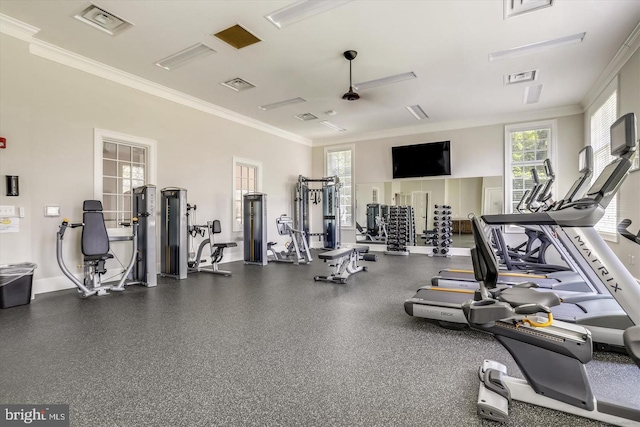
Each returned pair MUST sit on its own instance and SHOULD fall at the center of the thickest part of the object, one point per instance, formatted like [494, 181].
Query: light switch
[52, 211]
[7, 210]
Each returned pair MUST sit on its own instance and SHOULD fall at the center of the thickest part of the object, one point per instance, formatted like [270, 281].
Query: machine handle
[623, 229]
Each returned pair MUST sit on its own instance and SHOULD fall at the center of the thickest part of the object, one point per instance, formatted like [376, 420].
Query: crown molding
[457, 124]
[25, 32]
[18, 29]
[628, 48]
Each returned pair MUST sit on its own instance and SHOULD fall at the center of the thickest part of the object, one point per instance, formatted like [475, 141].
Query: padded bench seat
[344, 262]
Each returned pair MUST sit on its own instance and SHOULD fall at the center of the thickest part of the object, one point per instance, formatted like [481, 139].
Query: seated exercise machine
[550, 354]
[297, 248]
[216, 249]
[175, 237]
[95, 245]
[377, 222]
[362, 232]
[344, 262]
[381, 237]
[570, 226]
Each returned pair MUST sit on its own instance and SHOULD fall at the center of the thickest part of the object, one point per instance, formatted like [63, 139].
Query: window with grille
[527, 146]
[339, 162]
[122, 163]
[600, 120]
[246, 179]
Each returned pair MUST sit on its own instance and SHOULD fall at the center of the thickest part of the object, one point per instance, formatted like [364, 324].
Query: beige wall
[48, 113]
[475, 152]
[629, 194]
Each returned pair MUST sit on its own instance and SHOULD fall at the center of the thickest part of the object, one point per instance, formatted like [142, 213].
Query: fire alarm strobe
[3, 142]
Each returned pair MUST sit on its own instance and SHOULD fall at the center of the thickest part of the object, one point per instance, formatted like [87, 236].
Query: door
[493, 200]
[420, 203]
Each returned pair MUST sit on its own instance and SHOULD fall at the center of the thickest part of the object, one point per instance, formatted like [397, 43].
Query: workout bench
[344, 262]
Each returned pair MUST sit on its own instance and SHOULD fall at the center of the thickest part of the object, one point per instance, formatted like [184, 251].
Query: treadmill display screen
[604, 179]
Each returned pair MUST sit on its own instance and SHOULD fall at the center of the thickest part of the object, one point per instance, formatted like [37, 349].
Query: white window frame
[352, 148]
[100, 136]
[508, 160]
[613, 208]
[241, 161]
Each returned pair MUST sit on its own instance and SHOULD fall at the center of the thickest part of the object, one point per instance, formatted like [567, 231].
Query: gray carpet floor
[265, 347]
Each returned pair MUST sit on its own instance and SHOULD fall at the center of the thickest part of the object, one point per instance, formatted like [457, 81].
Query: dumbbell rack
[401, 230]
[441, 239]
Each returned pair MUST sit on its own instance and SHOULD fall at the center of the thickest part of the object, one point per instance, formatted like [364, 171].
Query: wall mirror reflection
[481, 195]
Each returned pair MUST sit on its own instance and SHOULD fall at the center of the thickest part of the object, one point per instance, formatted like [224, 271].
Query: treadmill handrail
[534, 218]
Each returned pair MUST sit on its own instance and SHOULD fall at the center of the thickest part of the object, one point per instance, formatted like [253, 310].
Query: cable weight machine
[329, 196]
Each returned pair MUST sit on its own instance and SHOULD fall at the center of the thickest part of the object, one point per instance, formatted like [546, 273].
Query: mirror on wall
[480, 195]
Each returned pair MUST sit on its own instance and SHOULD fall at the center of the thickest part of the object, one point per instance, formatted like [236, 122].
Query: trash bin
[15, 284]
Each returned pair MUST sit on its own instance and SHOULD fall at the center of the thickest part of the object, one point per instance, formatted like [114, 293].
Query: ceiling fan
[351, 95]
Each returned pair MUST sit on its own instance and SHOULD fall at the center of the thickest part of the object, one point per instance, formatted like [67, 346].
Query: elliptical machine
[552, 354]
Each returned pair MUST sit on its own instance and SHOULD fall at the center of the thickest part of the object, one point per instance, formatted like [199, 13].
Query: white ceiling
[446, 43]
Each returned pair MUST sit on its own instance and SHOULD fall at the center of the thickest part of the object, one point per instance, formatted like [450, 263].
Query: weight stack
[442, 238]
[401, 230]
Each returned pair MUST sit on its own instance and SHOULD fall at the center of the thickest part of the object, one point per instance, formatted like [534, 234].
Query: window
[121, 163]
[339, 162]
[527, 146]
[601, 117]
[246, 179]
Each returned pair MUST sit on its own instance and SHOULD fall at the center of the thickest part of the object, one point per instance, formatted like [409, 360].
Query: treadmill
[561, 279]
[573, 224]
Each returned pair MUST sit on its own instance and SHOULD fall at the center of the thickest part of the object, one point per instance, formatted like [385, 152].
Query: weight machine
[255, 228]
[96, 249]
[297, 248]
[174, 235]
[329, 196]
[217, 249]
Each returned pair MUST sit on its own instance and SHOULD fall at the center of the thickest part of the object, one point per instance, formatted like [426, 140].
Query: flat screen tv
[412, 161]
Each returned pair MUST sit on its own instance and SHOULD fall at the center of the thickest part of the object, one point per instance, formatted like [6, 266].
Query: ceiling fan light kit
[351, 95]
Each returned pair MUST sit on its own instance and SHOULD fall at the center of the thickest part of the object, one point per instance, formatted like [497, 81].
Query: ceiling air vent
[305, 117]
[102, 20]
[237, 36]
[237, 84]
[525, 76]
[518, 7]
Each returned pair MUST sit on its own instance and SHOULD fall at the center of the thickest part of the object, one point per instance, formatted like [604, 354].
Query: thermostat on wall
[52, 211]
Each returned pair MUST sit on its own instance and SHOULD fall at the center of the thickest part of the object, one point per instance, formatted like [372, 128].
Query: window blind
[601, 121]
